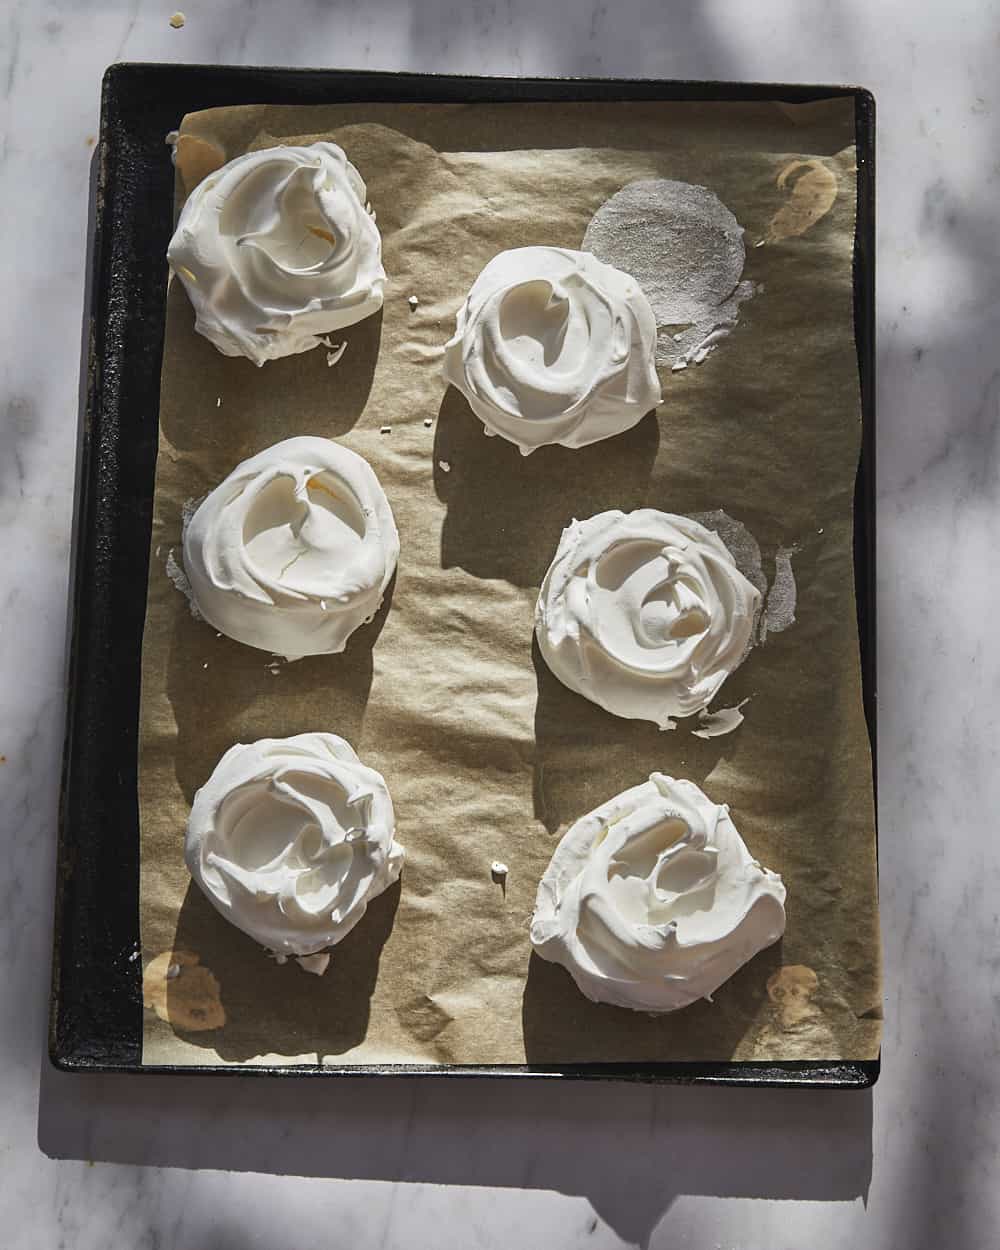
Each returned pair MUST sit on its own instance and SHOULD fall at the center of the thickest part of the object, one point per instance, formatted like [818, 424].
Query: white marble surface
[110, 1162]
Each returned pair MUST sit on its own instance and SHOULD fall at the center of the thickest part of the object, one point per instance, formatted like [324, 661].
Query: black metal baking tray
[96, 1003]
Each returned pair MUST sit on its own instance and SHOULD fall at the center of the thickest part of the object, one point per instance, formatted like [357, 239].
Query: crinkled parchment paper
[486, 755]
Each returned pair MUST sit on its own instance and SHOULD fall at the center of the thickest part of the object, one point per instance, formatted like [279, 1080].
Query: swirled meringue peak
[291, 838]
[552, 346]
[644, 613]
[277, 249]
[292, 552]
[652, 900]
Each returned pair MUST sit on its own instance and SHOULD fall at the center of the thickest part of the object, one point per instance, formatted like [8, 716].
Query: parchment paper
[486, 755]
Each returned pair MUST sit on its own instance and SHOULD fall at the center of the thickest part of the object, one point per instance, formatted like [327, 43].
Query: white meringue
[552, 346]
[291, 838]
[292, 552]
[645, 614]
[652, 900]
[276, 249]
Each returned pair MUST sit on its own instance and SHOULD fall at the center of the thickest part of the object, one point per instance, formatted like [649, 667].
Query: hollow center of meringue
[672, 612]
[538, 325]
[656, 875]
[644, 601]
[294, 539]
[296, 830]
[282, 222]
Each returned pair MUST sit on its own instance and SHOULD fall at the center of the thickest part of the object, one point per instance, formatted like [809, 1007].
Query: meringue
[552, 346]
[652, 900]
[645, 614]
[276, 249]
[292, 552]
[291, 838]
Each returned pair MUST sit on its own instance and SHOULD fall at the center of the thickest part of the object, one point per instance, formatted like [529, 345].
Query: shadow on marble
[629, 1150]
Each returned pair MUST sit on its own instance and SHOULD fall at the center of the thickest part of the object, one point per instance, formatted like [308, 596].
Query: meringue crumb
[444, 466]
[205, 665]
[333, 356]
[177, 21]
[498, 874]
[316, 964]
[413, 301]
[135, 955]
[386, 429]
[428, 422]
[218, 402]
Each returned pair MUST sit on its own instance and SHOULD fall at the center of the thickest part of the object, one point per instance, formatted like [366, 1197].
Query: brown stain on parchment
[812, 195]
[790, 989]
[795, 1018]
[183, 992]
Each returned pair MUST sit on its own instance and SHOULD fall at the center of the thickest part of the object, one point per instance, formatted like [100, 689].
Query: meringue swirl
[277, 249]
[652, 900]
[292, 552]
[645, 614]
[552, 346]
[291, 838]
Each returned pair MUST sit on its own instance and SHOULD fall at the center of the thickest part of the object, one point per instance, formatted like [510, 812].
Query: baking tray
[96, 1000]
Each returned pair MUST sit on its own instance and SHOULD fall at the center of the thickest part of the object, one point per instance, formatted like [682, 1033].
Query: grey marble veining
[110, 1162]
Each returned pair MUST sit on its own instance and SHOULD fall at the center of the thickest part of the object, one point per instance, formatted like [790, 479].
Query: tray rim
[118, 990]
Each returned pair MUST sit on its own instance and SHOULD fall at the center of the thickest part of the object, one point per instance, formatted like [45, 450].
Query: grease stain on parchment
[811, 196]
[792, 1011]
[183, 992]
[779, 611]
[686, 251]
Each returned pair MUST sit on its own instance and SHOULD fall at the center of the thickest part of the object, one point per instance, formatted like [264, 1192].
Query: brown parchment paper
[487, 756]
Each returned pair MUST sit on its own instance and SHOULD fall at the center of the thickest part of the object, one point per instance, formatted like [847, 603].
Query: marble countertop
[98, 1162]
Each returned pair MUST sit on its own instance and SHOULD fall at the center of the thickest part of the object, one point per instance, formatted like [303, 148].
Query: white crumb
[316, 964]
[722, 721]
